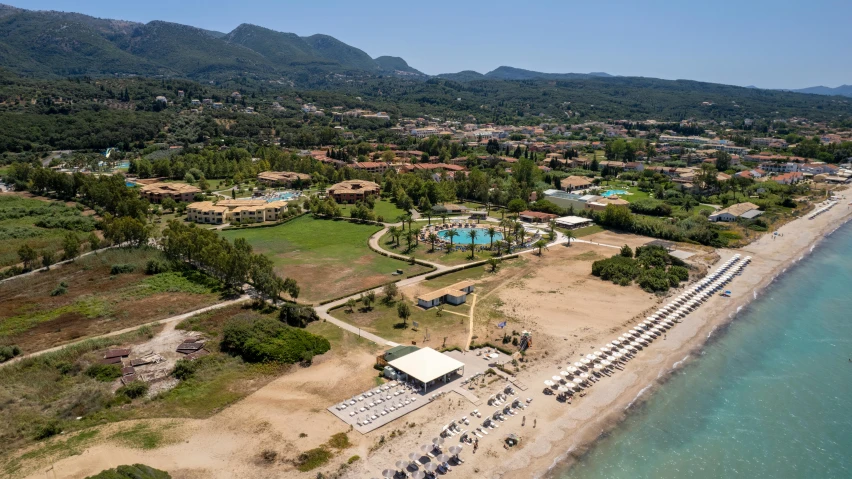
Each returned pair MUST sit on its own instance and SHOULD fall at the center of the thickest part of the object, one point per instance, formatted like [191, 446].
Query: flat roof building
[428, 367]
[234, 211]
[352, 191]
[286, 178]
[455, 294]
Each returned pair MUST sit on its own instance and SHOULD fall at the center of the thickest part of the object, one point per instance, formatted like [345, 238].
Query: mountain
[843, 90]
[396, 65]
[283, 49]
[335, 50]
[511, 73]
[463, 76]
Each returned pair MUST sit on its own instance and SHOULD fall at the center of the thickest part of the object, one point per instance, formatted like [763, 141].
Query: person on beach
[524, 419]
[535, 421]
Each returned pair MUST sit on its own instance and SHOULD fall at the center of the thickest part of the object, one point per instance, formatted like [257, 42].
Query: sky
[769, 44]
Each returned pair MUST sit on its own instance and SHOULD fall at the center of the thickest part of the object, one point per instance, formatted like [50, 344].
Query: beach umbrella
[556, 379]
[438, 441]
[598, 367]
[430, 466]
[564, 373]
[606, 364]
[414, 456]
[388, 473]
[455, 450]
[584, 376]
[426, 448]
[606, 347]
[572, 369]
[442, 458]
[548, 383]
[586, 362]
[598, 354]
[577, 380]
[578, 364]
[635, 344]
[401, 465]
[563, 389]
[590, 357]
[418, 475]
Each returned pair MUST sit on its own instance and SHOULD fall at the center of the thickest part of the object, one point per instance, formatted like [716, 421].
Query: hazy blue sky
[770, 44]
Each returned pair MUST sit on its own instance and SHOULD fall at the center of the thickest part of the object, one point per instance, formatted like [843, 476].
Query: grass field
[387, 210]
[36, 314]
[327, 258]
[18, 216]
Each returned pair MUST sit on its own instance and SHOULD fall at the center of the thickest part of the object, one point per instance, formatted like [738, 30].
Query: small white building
[455, 294]
[733, 212]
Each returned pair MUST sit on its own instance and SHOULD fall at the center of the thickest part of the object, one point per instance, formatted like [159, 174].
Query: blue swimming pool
[282, 196]
[609, 193]
[463, 236]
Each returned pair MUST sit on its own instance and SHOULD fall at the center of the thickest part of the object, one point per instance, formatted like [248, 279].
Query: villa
[352, 191]
[739, 210]
[157, 192]
[283, 178]
[455, 294]
[536, 216]
[234, 211]
[573, 183]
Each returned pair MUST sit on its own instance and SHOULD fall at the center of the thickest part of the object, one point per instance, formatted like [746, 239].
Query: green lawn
[586, 231]
[387, 210]
[327, 258]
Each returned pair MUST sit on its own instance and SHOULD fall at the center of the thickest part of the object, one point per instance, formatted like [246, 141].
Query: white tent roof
[426, 364]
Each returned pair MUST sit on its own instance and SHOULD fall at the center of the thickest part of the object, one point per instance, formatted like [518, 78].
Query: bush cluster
[121, 269]
[260, 340]
[9, 352]
[653, 269]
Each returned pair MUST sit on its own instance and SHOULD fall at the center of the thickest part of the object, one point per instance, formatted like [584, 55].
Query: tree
[70, 245]
[94, 241]
[350, 304]
[369, 299]
[492, 232]
[390, 291]
[494, 263]
[169, 204]
[451, 234]
[28, 256]
[47, 258]
[569, 235]
[403, 311]
[540, 244]
[516, 206]
[551, 230]
[409, 238]
[626, 251]
[723, 161]
[394, 232]
[433, 238]
[472, 235]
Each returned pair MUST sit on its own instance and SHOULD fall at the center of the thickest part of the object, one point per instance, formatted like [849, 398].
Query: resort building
[536, 216]
[283, 178]
[234, 211]
[449, 209]
[573, 222]
[352, 191]
[157, 192]
[455, 294]
[739, 210]
[573, 183]
[600, 204]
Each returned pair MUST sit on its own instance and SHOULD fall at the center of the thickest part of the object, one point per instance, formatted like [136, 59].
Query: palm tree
[540, 244]
[408, 219]
[429, 215]
[409, 236]
[451, 234]
[433, 238]
[494, 263]
[472, 235]
[443, 218]
[570, 235]
[394, 232]
[492, 232]
[519, 231]
[552, 234]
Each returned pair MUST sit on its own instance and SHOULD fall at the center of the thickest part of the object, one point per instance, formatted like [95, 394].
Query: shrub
[133, 390]
[313, 459]
[650, 206]
[267, 340]
[9, 352]
[268, 455]
[136, 471]
[156, 267]
[104, 372]
[121, 269]
[626, 251]
[48, 429]
[339, 441]
[353, 459]
[297, 316]
[184, 369]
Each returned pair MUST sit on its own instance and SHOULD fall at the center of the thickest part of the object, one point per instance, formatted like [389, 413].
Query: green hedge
[261, 340]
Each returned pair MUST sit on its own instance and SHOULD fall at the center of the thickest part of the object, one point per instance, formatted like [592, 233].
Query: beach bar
[428, 367]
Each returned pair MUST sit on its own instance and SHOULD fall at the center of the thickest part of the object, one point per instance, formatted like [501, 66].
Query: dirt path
[470, 323]
[166, 321]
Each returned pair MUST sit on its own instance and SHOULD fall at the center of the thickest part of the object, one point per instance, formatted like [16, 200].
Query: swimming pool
[609, 193]
[463, 236]
[282, 196]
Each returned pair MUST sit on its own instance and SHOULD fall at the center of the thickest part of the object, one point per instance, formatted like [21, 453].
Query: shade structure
[615, 342]
[549, 383]
[563, 389]
[418, 475]
[430, 466]
[590, 357]
[455, 450]
[578, 364]
[586, 362]
[438, 441]
[401, 465]
[584, 376]
[564, 373]
[388, 473]
[606, 363]
[414, 456]
[442, 458]
[606, 347]
[572, 370]
[556, 379]
[574, 386]
[426, 365]
[577, 380]
[598, 367]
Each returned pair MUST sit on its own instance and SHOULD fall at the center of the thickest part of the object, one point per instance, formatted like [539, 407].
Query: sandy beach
[288, 414]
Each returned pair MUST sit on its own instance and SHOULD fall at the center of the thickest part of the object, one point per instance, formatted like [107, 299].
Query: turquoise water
[609, 193]
[463, 236]
[770, 397]
[282, 196]
[129, 184]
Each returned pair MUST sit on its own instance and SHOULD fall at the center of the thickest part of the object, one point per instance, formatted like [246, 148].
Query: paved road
[172, 319]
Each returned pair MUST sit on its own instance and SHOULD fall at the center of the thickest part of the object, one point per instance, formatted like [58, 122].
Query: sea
[769, 396]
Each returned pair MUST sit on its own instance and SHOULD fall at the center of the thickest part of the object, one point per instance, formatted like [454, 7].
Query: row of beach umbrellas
[622, 349]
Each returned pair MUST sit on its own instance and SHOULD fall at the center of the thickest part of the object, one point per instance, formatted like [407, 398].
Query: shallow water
[770, 397]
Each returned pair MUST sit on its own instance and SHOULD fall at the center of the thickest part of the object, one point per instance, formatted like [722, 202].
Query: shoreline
[584, 424]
